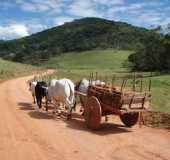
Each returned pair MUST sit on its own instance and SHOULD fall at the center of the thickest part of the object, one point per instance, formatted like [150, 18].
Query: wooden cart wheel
[92, 113]
[129, 119]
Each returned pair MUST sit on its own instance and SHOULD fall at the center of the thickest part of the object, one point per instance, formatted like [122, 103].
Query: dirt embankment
[30, 135]
[157, 120]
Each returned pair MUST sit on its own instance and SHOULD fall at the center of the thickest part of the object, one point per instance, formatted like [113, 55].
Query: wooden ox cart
[103, 100]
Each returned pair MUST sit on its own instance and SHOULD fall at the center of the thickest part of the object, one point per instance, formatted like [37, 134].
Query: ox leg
[39, 102]
[69, 107]
[69, 113]
[34, 101]
[37, 105]
[106, 118]
[62, 105]
[56, 107]
[37, 99]
[74, 106]
[46, 105]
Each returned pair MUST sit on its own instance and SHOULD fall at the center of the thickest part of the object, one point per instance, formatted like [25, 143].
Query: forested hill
[79, 35]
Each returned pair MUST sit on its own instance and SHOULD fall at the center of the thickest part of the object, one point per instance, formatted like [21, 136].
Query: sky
[19, 18]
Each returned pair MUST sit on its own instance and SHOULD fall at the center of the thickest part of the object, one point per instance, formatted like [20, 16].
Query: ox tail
[71, 97]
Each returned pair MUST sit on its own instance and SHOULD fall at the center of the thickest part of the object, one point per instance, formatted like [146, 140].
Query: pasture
[10, 69]
[109, 63]
[78, 65]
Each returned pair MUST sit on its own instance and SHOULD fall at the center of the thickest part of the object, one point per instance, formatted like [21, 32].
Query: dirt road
[26, 134]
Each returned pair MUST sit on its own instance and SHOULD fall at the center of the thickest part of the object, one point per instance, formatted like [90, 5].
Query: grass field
[10, 69]
[79, 65]
[108, 63]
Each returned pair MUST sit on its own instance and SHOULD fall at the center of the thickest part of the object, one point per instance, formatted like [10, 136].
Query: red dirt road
[26, 134]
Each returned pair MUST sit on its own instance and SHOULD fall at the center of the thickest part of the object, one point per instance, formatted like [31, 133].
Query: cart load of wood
[108, 96]
[118, 99]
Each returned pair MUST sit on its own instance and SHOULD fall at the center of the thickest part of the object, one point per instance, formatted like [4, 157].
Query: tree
[154, 56]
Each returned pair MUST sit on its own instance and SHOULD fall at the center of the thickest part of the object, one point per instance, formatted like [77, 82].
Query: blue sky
[20, 18]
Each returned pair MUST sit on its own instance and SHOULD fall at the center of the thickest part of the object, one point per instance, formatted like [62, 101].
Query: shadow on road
[104, 129]
[77, 122]
[25, 106]
[40, 115]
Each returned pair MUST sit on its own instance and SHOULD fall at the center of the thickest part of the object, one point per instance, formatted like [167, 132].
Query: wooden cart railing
[104, 100]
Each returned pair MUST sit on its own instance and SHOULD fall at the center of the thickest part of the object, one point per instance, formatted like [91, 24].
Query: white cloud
[165, 21]
[61, 20]
[147, 17]
[84, 8]
[13, 31]
[141, 14]
[132, 8]
[39, 5]
[136, 6]
[28, 7]
[34, 27]
[109, 2]
[129, 8]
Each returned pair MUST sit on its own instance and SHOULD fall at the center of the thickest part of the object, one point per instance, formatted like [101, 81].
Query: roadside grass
[161, 93]
[11, 69]
[109, 63]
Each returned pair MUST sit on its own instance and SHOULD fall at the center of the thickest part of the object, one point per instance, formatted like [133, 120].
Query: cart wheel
[129, 119]
[92, 113]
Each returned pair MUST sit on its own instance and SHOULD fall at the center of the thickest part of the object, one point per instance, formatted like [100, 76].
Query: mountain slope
[79, 35]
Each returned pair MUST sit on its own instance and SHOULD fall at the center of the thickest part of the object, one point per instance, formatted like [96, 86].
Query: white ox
[61, 91]
[32, 89]
[83, 85]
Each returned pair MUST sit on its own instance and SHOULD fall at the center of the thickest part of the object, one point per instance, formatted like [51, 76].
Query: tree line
[154, 55]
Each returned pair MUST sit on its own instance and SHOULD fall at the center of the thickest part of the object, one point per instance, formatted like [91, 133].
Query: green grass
[78, 65]
[161, 93]
[10, 69]
[97, 59]
[108, 63]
